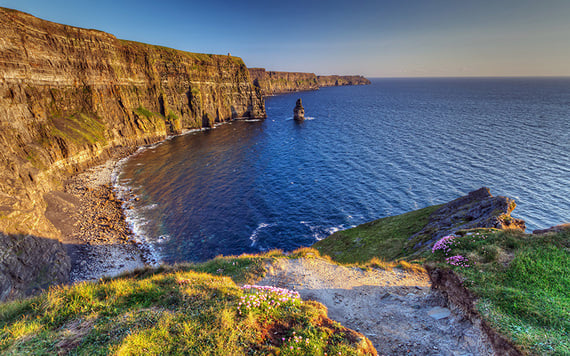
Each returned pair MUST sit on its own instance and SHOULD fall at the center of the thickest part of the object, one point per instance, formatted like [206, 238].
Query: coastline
[90, 213]
[93, 224]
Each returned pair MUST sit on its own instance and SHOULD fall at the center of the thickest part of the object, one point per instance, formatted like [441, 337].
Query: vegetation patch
[383, 239]
[522, 282]
[174, 310]
[80, 129]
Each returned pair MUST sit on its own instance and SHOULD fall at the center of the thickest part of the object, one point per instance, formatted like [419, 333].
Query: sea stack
[299, 111]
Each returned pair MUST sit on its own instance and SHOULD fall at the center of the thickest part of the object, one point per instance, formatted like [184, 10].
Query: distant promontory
[272, 82]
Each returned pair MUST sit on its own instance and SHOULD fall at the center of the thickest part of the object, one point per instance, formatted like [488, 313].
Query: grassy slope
[173, 310]
[523, 285]
[522, 281]
[384, 238]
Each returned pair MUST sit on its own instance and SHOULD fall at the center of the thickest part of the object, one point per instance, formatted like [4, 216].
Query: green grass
[80, 129]
[178, 309]
[523, 282]
[384, 238]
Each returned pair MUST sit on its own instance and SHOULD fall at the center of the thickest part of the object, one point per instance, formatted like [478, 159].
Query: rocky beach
[92, 221]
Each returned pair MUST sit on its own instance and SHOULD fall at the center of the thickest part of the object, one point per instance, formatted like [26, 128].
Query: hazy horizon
[377, 39]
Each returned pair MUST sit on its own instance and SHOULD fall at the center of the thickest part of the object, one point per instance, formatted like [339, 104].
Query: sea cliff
[273, 83]
[70, 97]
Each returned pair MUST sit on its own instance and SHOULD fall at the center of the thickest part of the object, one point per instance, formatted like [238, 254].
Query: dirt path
[395, 309]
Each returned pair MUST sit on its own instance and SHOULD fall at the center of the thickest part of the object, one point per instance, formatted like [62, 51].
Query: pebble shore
[99, 240]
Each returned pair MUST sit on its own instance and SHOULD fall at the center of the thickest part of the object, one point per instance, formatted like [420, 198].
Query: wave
[255, 234]
[320, 232]
[133, 217]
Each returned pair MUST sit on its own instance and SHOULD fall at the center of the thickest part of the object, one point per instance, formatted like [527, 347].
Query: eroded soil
[392, 308]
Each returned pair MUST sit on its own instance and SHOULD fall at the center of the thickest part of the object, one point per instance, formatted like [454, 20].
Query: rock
[29, 264]
[478, 209]
[439, 313]
[557, 228]
[299, 111]
[271, 82]
[71, 97]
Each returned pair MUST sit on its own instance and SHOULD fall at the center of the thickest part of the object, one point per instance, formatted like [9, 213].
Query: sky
[374, 38]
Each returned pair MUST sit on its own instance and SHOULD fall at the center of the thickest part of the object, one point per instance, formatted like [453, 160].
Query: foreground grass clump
[173, 310]
[383, 238]
[522, 281]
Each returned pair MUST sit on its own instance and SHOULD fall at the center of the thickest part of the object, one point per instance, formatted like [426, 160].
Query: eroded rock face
[69, 97]
[299, 111]
[29, 264]
[338, 80]
[478, 209]
[286, 82]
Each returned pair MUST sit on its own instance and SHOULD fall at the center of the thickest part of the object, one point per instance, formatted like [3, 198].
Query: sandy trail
[392, 308]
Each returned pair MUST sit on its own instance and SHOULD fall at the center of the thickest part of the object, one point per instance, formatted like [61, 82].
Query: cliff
[338, 80]
[286, 82]
[69, 97]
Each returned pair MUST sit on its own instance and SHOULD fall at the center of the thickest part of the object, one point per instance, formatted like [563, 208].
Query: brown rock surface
[299, 111]
[286, 82]
[70, 97]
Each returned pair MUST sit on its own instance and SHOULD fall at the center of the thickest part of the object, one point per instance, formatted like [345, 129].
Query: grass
[523, 284]
[80, 129]
[384, 238]
[182, 309]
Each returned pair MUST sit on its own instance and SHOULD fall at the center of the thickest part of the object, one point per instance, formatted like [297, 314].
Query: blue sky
[374, 38]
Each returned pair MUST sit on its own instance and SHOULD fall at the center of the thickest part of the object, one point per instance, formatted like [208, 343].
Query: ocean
[365, 152]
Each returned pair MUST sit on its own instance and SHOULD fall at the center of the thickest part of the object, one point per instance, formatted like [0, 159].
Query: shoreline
[93, 224]
[90, 214]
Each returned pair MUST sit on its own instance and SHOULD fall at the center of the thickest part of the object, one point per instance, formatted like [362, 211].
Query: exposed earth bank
[396, 310]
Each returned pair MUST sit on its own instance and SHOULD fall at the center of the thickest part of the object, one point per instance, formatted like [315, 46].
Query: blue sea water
[365, 152]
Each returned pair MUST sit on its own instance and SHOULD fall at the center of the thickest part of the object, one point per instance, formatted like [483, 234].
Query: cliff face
[337, 80]
[286, 82]
[70, 96]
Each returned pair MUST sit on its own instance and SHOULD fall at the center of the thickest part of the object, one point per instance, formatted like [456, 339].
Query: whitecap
[255, 234]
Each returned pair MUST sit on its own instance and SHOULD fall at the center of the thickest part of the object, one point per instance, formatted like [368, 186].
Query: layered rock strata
[299, 111]
[69, 97]
[478, 209]
[273, 83]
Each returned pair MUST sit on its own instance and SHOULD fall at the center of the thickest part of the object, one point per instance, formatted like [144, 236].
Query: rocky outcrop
[478, 209]
[273, 83]
[299, 111]
[29, 264]
[553, 229]
[283, 82]
[69, 97]
[338, 80]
